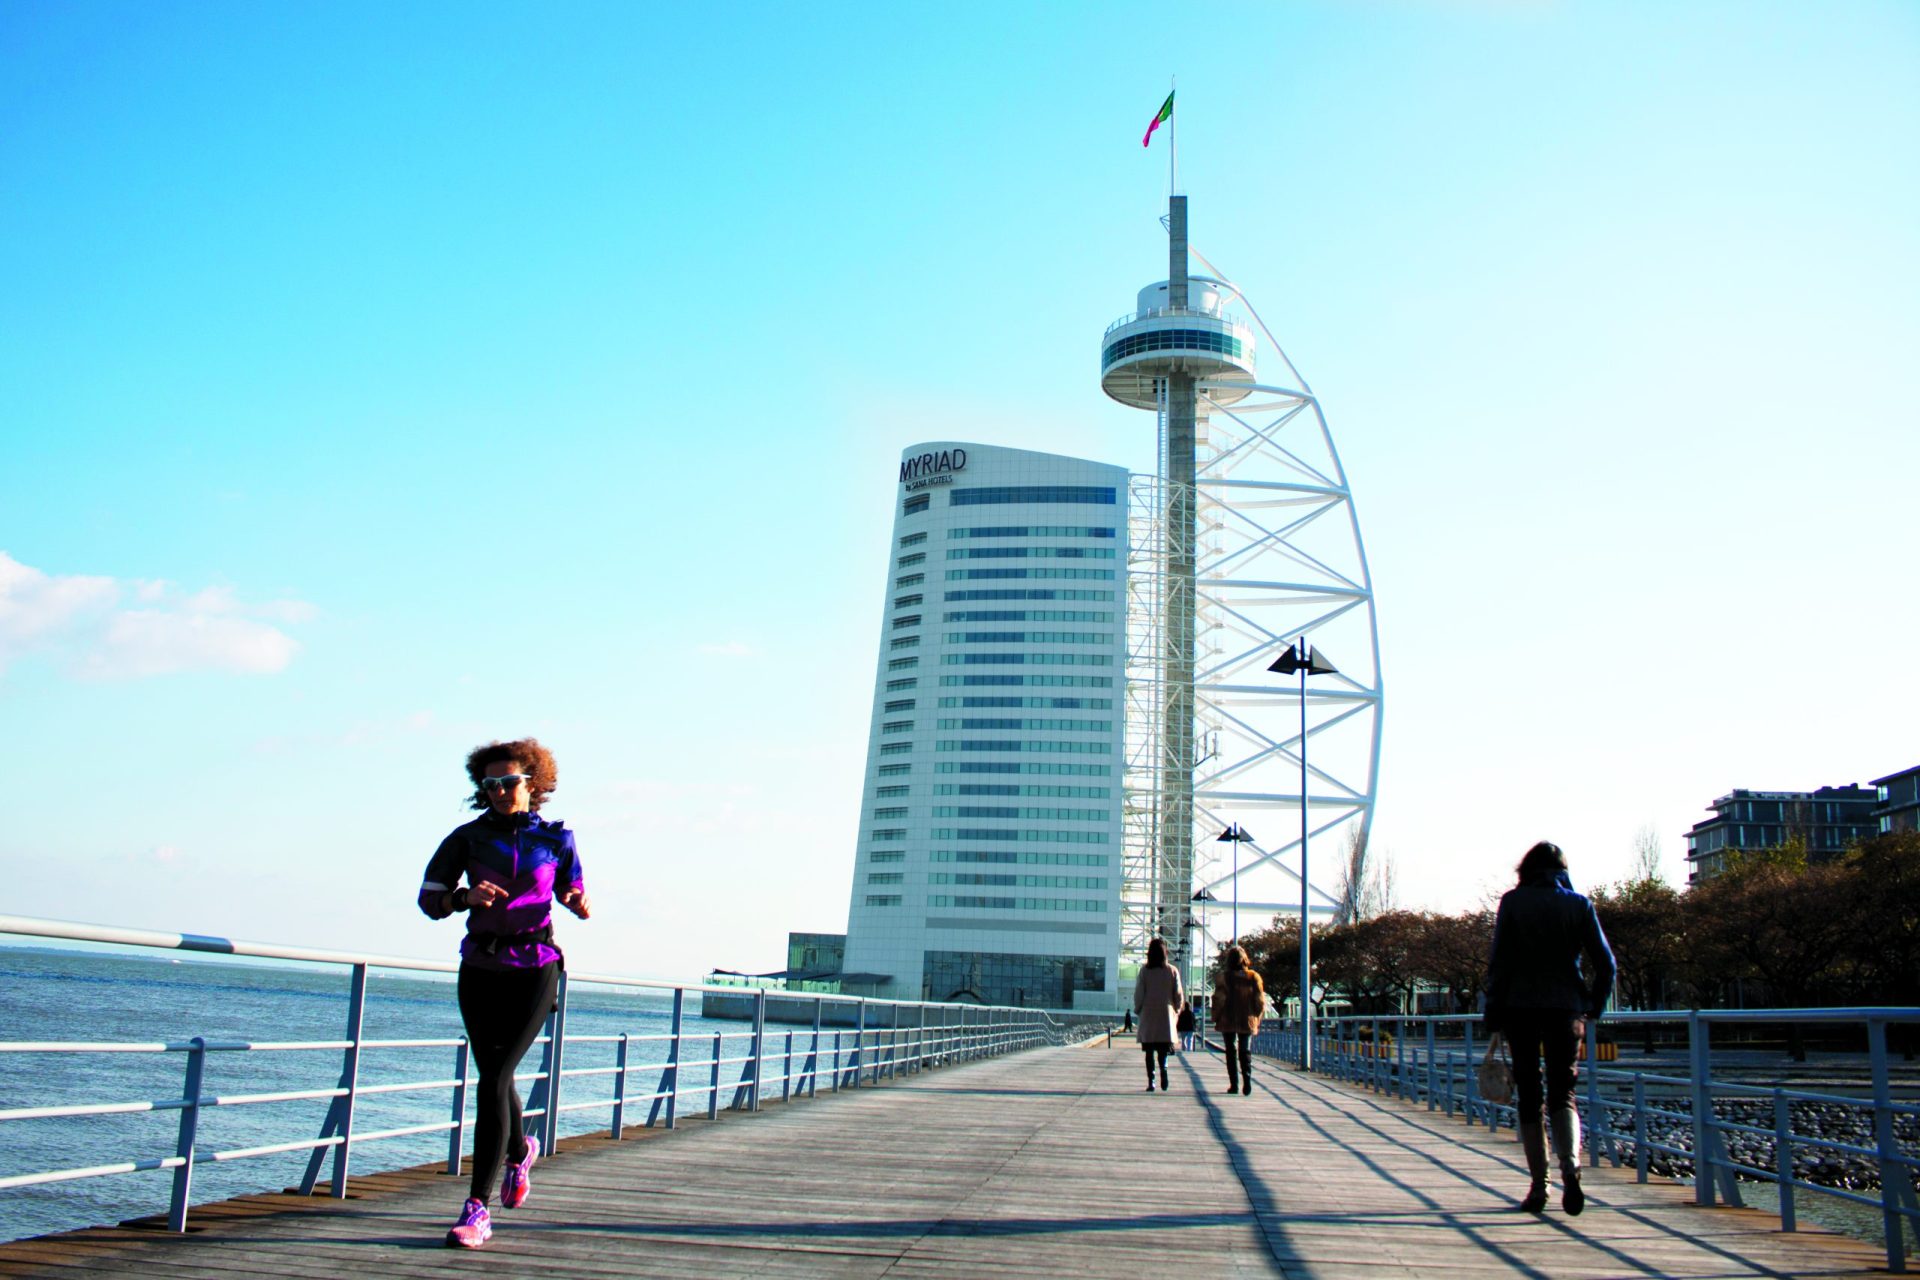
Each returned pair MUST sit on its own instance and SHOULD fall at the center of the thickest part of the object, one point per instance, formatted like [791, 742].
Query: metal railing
[884, 1039]
[1433, 1059]
[1222, 316]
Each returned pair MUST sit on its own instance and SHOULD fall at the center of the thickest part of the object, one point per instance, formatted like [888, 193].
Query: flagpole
[1173, 148]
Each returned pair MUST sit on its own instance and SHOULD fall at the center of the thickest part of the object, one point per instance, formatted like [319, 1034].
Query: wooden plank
[1055, 1164]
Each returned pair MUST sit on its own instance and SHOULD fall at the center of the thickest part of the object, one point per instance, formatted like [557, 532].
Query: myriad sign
[928, 469]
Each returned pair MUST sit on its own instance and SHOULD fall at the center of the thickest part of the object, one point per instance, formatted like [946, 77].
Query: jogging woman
[516, 864]
[1539, 999]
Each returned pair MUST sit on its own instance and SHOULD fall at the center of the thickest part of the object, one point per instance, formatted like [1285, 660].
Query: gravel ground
[1856, 1220]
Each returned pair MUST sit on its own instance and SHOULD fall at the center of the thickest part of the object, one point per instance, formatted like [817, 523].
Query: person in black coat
[1539, 999]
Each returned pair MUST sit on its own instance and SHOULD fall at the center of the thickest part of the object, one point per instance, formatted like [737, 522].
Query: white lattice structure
[1276, 553]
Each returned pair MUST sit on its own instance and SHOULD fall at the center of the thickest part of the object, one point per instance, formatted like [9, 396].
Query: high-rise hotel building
[989, 854]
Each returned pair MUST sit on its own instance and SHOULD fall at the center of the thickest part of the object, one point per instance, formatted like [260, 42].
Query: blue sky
[375, 382]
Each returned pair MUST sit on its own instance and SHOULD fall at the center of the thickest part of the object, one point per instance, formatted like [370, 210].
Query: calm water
[85, 996]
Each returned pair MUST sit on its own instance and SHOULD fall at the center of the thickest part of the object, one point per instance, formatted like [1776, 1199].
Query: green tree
[1275, 953]
[1646, 927]
[1787, 928]
[1882, 905]
[1451, 952]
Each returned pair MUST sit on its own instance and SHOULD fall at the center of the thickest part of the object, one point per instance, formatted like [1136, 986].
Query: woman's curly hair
[534, 760]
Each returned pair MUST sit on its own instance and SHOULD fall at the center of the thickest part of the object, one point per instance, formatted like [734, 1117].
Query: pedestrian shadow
[1274, 1217]
[1352, 1105]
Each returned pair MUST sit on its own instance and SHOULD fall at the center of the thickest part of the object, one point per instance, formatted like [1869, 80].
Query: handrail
[1134, 317]
[911, 1036]
[1432, 1058]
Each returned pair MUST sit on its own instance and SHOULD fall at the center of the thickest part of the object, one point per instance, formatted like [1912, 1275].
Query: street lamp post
[1237, 835]
[1203, 900]
[1303, 659]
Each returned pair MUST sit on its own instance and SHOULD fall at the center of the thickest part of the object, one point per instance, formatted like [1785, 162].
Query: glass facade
[1033, 531]
[1175, 340]
[1001, 495]
[996, 978]
[1028, 593]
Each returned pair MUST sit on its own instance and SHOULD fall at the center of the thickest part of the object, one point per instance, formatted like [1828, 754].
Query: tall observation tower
[1240, 547]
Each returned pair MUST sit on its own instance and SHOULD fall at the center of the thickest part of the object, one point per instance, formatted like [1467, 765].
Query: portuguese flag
[1166, 114]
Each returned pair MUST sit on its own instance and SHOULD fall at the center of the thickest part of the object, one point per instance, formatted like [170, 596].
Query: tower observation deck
[1245, 540]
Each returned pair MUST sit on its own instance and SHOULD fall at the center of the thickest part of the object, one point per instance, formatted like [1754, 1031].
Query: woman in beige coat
[1239, 998]
[1157, 998]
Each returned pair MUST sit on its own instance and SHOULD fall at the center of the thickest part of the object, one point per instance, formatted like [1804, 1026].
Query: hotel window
[1033, 531]
[909, 579]
[897, 726]
[905, 562]
[887, 855]
[909, 620]
[895, 686]
[885, 877]
[890, 793]
[895, 748]
[917, 503]
[883, 899]
[904, 642]
[913, 539]
[902, 664]
[901, 704]
[894, 770]
[1001, 495]
[889, 833]
[890, 814]
[907, 602]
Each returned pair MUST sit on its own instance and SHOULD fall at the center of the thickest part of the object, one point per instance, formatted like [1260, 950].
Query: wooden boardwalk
[1050, 1164]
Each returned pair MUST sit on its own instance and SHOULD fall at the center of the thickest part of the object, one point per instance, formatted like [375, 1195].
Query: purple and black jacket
[532, 859]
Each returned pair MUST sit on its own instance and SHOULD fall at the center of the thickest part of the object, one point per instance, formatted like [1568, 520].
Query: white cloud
[79, 621]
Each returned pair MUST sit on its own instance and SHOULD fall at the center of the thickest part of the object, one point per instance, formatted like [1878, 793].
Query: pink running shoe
[474, 1229]
[515, 1185]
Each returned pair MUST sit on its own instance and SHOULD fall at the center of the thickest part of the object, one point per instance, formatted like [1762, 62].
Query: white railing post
[1430, 1032]
[1783, 1159]
[619, 1087]
[1596, 1111]
[859, 1043]
[1896, 1183]
[457, 1136]
[670, 1078]
[759, 1046]
[813, 1050]
[1469, 1084]
[550, 1122]
[350, 1080]
[189, 1132]
[1699, 1062]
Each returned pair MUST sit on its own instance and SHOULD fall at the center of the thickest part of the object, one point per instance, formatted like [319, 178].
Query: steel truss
[1280, 555]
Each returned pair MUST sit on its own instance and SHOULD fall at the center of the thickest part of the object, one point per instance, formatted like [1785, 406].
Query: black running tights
[503, 1010]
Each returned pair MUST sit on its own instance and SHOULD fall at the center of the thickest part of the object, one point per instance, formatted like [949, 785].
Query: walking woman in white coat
[1157, 999]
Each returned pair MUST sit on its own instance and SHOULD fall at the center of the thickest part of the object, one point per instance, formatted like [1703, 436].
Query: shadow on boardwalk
[1050, 1164]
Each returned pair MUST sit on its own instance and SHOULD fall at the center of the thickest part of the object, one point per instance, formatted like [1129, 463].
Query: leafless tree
[1647, 855]
[1367, 883]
